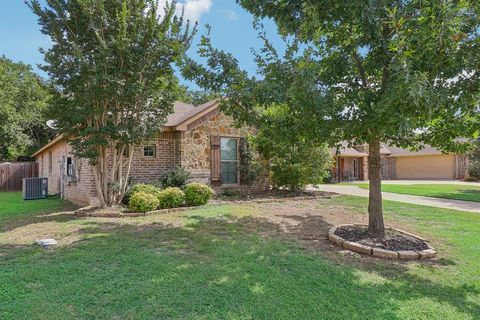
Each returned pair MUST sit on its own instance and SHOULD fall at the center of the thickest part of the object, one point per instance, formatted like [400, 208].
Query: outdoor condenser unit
[35, 188]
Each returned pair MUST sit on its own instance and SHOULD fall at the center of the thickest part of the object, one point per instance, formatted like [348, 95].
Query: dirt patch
[394, 240]
[229, 195]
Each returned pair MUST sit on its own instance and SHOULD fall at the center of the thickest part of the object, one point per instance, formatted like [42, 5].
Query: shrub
[143, 202]
[140, 187]
[171, 198]
[197, 194]
[176, 178]
[473, 170]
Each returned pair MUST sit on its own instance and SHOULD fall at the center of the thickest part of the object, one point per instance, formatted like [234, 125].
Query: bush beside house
[197, 194]
[143, 202]
[171, 198]
[145, 197]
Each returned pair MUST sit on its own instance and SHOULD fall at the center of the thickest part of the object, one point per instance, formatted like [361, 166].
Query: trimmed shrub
[140, 187]
[143, 202]
[176, 178]
[171, 198]
[197, 194]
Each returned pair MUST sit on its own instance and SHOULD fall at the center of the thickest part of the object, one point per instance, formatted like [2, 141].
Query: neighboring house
[398, 163]
[199, 138]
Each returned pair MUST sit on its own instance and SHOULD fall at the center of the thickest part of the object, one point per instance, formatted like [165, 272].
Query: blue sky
[20, 36]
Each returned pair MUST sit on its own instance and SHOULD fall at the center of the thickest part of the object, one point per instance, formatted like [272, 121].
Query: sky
[232, 31]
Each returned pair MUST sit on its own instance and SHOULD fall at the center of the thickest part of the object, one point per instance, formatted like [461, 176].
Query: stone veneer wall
[195, 149]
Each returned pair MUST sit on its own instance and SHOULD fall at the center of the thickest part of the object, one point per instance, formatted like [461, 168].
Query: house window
[229, 160]
[50, 162]
[149, 151]
[70, 170]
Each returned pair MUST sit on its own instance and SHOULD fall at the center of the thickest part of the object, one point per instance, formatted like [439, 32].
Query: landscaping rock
[336, 239]
[427, 254]
[46, 242]
[357, 247]
[408, 255]
[386, 254]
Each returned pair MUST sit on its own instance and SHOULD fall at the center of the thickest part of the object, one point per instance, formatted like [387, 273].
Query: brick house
[200, 139]
[351, 163]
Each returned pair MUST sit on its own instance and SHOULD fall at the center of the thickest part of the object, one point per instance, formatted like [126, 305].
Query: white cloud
[232, 15]
[194, 9]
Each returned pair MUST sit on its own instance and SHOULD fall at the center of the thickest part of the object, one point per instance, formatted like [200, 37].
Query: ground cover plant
[250, 261]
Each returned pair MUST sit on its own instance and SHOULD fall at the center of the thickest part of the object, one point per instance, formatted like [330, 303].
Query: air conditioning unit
[35, 188]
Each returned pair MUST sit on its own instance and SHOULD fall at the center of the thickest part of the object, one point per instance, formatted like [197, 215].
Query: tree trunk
[376, 227]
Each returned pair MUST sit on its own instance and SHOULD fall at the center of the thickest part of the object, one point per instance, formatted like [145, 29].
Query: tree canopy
[23, 101]
[112, 63]
[366, 72]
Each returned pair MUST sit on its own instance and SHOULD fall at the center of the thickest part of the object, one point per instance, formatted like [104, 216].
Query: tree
[195, 97]
[23, 101]
[112, 64]
[366, 72]
[295, 161]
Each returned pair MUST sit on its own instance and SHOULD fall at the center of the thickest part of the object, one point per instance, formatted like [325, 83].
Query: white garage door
[425, 167]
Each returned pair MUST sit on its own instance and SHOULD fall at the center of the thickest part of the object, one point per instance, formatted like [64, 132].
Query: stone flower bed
[397, 244]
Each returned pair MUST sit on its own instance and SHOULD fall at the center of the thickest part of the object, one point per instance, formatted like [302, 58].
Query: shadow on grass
[215, 269]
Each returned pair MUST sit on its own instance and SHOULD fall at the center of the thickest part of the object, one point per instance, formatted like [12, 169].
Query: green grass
[12, 206]
[222, 263]
[446, 191]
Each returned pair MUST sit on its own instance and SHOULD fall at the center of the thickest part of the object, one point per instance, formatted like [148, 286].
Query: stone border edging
[85, 212]
[382, 253]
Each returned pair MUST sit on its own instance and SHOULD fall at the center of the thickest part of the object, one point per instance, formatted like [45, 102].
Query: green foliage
[197, 194]
[23, 101]
[195, 97]
[251, 166]
[473, 167]
[295, 159]
[140, 187]
[177, 177]
[171, 198]
[143, 202]
[112, 63]
[473, 170]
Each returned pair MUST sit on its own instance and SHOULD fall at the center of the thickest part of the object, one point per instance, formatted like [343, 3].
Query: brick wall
[82, 191]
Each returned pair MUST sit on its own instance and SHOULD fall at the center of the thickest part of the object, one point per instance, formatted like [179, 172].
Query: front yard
[252, 261]
[446, 191]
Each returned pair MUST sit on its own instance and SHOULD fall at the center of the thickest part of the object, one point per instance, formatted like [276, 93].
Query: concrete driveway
[425, 201]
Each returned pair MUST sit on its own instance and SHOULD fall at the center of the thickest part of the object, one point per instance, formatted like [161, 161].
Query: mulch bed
[394, 240]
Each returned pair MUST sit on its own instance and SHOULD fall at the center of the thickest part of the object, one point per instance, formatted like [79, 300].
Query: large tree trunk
[376, 226]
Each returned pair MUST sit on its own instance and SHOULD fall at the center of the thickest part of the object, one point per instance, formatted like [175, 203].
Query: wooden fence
[11, 174]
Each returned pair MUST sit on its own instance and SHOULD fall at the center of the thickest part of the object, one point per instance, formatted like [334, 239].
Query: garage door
[425, 167]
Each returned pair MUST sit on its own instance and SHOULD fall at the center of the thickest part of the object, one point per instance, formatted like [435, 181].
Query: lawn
[257, 261]
[12, 206]
[446, 191]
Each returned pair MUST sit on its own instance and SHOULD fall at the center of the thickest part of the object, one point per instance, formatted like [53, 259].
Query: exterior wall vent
[35, 188]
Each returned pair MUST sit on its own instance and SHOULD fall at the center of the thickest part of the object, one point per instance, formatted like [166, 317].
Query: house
[351, 163]
[200, 139]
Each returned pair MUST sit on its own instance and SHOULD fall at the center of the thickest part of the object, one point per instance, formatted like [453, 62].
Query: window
[229, 160]
[50, 162]
[70, 170]
[149, 151]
